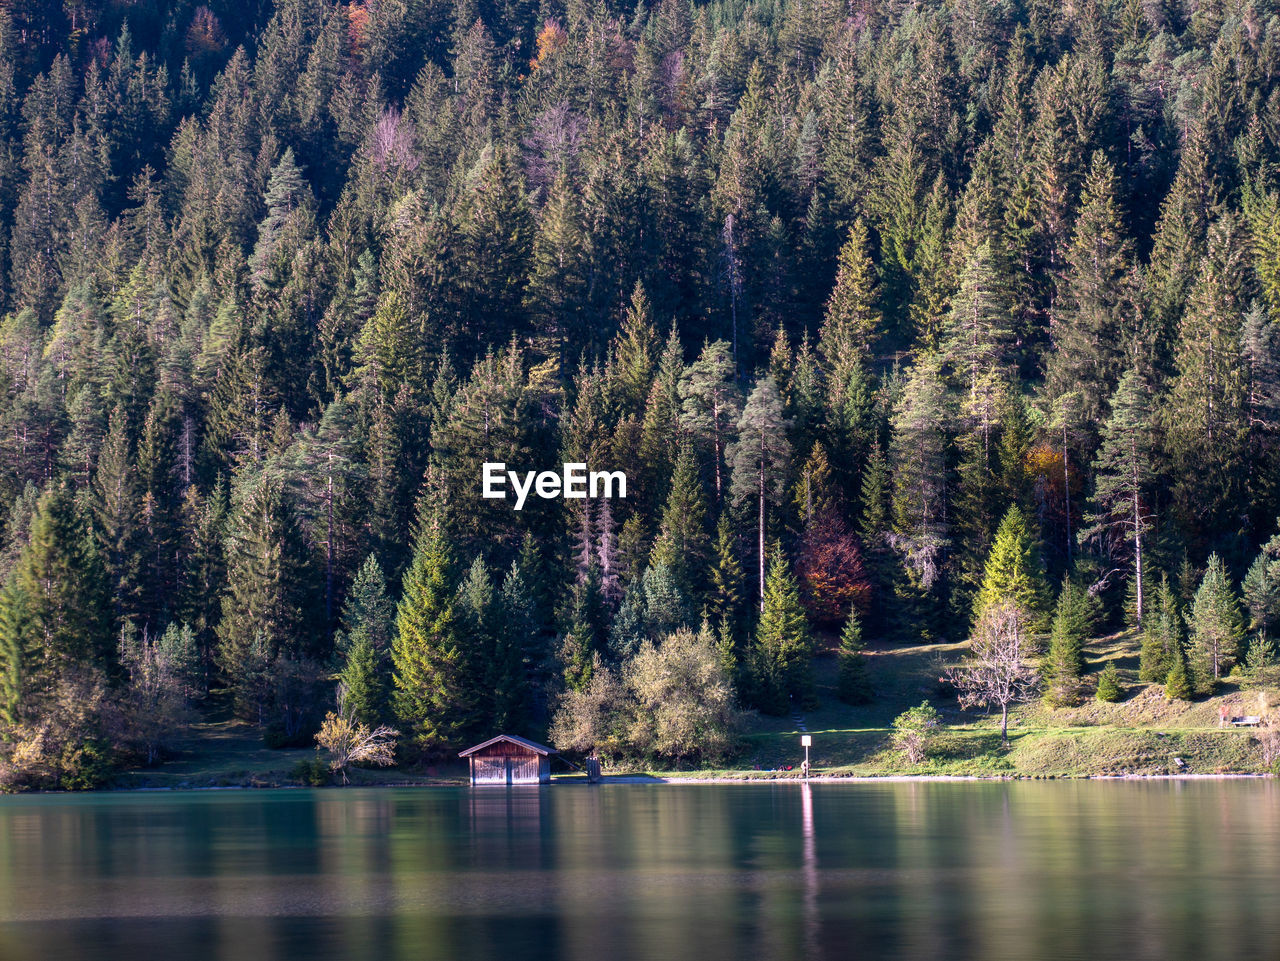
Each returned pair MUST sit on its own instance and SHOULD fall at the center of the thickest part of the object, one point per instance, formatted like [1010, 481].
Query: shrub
[313, 772]
[915, 730]
[353, 742]
[1109, 688]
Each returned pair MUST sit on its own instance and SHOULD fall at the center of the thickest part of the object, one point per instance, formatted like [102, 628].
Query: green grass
[1142, 734]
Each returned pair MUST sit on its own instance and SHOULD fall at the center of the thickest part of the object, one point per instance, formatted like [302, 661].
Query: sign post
[805, 741]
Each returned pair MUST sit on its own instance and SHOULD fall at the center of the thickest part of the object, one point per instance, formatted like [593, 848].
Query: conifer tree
[1215, 627]
[1014, 573]
[711, 405]
[267, 608]
[1177, 685]
[682, 544]
[783, 645]
[1109, 688]
[1123, 473]
[1162, 637]
[116, 504]
[918, 454]
[368, 611]
[854, 686]
[431, 700]
[726, 580]
[852, 323]
[363, 683]
[760, 460]
[1088, 324]
[54, 615]
[1064, 662]
[1261, 589]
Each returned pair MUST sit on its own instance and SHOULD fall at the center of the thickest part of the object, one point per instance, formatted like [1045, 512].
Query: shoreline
[642, 779]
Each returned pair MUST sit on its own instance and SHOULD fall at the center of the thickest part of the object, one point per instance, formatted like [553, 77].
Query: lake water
[1022, 870]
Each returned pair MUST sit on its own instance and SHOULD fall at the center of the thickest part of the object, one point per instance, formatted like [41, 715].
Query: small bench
[1249, 721]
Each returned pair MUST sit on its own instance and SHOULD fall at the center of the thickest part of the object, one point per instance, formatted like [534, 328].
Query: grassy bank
[1143, 734]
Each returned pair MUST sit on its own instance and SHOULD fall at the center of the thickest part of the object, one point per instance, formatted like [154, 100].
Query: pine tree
[1215, 627]
[921, 529]
[1261, 589]
[430, 699]
[1162, 637]
[1177, 685]
[1064, 663]
[1109, 688]
[116, 504]
[726, 580]
[711, 405]
[1123, 475]
[1014, 573]
[368, 611]
[267, 608]
[979, 338]
[54, 614]
[854, 686]
[852, 323]
[682, 544]
[783, 645]
[760, 460]
[1088, 323]
[1205, 414]
[363, 683]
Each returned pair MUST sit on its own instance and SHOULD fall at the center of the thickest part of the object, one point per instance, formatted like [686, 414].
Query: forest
[893, 312]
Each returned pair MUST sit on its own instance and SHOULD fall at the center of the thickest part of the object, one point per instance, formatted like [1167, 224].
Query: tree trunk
[1066, 491]
[762, 538]
[1004, 725]
[1137, 550]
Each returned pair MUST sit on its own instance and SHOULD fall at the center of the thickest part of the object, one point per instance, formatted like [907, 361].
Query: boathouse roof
[510, 739]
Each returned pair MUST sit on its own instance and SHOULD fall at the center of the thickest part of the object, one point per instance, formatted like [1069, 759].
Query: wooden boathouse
[507, 759]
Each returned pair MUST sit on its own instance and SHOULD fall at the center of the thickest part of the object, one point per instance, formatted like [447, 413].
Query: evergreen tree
[267, 608]
[431, 701]
[1013, 572]
[1162, 643]
[760, 460]
[54, 615]
[1088, 323]
[1177, 685]
[1064, 663]
[363, 683]
[711, 405]
[1109, 688]
[682, 544]
[921, 528]
[852, 322]
[1261, 589]
[783, 645]
[1215, 626]
[854, 686]
[1123, 475]
[726, 580]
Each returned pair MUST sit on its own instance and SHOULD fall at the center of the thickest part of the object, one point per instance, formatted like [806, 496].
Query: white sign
[805, 740]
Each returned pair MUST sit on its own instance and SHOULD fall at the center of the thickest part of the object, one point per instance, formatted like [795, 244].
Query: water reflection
[788, 871]
[810, 872]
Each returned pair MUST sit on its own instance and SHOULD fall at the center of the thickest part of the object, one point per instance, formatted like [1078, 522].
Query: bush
[1109, 688]
[915, 731]
[672, 702]
[313, 772]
